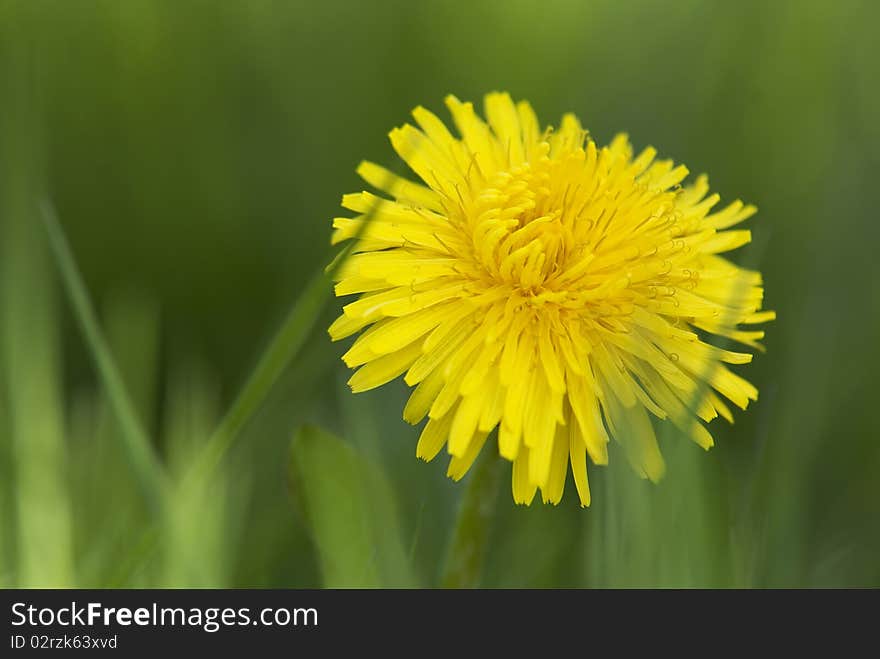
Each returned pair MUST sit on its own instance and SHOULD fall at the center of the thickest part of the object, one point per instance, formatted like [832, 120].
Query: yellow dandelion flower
[556, 291]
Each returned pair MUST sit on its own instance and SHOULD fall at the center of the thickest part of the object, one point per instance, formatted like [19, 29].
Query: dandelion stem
[139, 450]
[470, 536]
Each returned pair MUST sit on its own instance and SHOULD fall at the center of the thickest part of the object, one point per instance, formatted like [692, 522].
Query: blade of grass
[350, 511]
[282, 350]
[139, 449]
[37, 525]
[280, 353]
[197, 542]
[34, 431]
[277, 357]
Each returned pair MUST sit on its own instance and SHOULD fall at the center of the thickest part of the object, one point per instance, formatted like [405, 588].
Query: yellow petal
[465, 423]
[433, 437]
[632, 428]
[585, 408]
[459, 465]
[398, 187]
[523, 488]
[384, 369]
[504, 120]
[552, 493]
[476, 136]
[423, 397]
[578, 456]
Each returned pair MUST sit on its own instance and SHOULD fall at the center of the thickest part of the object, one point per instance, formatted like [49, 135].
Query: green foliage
[195, 153]
[349, 508]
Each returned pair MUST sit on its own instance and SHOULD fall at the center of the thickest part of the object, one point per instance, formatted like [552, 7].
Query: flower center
[521, 235]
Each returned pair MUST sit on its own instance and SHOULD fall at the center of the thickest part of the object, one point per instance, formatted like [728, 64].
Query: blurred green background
[195, 152]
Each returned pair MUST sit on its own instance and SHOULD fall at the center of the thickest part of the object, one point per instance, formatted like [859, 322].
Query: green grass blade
[281, 351]
[138, 447]
[197, 542]
[34, 452]
[350, 511]
[36, 524]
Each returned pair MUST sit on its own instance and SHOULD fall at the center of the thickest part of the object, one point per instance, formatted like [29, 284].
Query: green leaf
[138, 446]
[349, 508]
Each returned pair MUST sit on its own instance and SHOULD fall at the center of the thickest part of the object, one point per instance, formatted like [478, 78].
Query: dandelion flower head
[533, 283]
